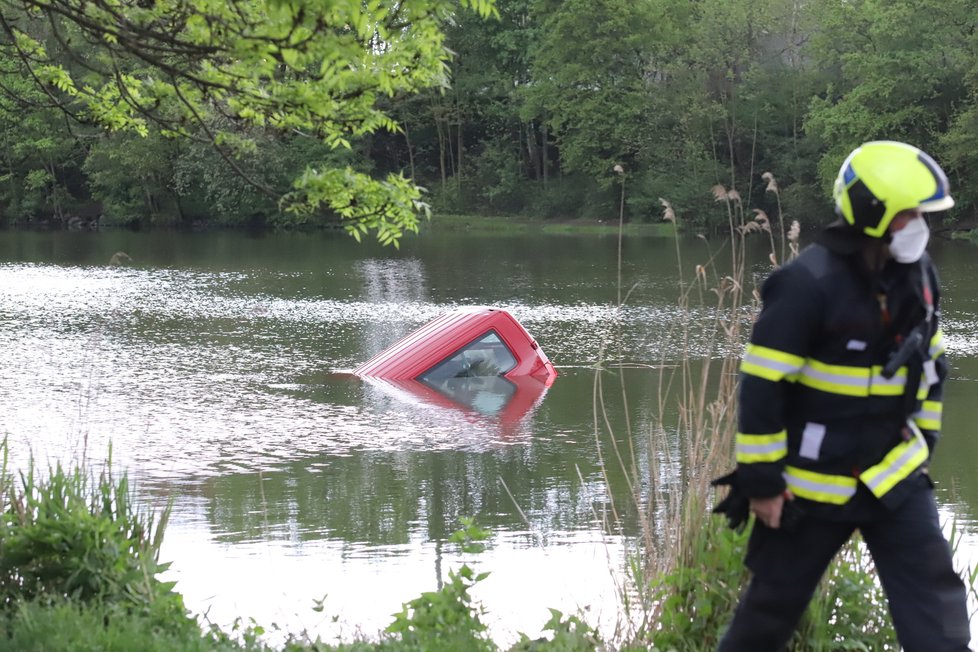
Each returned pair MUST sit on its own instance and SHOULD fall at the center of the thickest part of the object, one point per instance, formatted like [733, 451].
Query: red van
[469, 342]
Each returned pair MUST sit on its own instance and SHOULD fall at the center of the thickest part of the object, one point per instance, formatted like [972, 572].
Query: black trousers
[927, 598]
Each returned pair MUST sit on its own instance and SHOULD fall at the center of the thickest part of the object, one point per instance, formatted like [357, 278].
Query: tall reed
[690, 437]
[688, 572]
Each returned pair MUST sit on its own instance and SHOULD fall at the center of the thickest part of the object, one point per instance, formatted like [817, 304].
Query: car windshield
[485, 356]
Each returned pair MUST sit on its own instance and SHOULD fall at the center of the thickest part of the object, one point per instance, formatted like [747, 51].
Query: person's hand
[768, 510]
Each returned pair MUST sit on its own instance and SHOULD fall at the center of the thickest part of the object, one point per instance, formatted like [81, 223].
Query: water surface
[210, 365]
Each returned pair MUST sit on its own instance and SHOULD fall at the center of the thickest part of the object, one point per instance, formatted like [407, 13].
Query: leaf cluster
[212, 70]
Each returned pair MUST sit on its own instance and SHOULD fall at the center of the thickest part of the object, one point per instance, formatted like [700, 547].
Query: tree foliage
[899, 73]
[364, 113]
[217, 70]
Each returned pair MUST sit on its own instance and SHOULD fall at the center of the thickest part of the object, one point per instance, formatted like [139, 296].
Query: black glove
[736, 506]
[791, 515]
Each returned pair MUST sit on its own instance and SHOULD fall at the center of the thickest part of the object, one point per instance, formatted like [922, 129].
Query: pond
[212, 364]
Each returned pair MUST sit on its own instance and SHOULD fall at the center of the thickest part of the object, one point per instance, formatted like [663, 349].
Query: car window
[485, 356]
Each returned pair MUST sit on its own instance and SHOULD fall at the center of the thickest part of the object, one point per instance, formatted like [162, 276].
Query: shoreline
[519, 224]
[474, 223]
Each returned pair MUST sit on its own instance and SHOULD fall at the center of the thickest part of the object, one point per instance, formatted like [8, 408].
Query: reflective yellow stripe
[852, 381]
[929, 415]
[775, 366]
[888, 386]
[769, 364]
[897, 465]
[835, 379]
[821, 487]
[923, 389]
[937, 346]
[761, 448]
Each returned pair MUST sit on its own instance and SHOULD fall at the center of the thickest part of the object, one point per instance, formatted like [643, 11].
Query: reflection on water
[486, 395]
[390, 282]
[361, 586]
[209, 363]
[508, 400]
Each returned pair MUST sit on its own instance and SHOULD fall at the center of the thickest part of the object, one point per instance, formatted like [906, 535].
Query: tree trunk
[410, 151]
[544, 155]
[180, 212]
[458, 168]
[533, 151]
[55, 198]
[441, 147]
[14, 186]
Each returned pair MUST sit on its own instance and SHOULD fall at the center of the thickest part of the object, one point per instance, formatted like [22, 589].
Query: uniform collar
[848, 243]
[840, 238]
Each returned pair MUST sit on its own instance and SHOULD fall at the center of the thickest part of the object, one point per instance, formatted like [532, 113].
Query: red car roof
[440, 339]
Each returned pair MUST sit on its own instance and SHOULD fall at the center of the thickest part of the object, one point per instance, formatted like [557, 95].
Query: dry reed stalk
[772, 186]
[699, 392]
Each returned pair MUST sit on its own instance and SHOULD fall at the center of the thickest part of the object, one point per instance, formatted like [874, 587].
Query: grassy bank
[522, 225]
[79, 572]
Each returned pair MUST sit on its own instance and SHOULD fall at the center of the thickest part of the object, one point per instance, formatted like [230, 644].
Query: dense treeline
[543, 100]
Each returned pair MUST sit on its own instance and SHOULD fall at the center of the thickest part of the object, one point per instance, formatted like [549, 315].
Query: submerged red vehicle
[480, 360]
[466, 343]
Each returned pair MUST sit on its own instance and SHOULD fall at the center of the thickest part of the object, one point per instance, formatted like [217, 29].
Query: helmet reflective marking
[848, 175]
[943, 192]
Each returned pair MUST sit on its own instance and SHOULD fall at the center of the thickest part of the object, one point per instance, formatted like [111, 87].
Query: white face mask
[908, 244]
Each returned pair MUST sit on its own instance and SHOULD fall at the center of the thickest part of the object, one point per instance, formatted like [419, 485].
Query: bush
[848, 611]
[697, 599]
[71, 535]
[562, 199]
[63, 626]
[568, 634]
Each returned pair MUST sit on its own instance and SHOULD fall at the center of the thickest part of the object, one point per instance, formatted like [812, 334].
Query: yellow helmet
[881, 178]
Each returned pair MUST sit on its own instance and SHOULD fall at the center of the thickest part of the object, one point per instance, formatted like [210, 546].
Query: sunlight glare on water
[116, 339]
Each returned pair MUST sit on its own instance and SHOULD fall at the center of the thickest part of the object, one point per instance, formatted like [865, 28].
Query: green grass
[71, 626]
[523, 225]
[68, 626]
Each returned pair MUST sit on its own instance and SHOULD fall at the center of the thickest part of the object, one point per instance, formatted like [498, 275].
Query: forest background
[531, 112]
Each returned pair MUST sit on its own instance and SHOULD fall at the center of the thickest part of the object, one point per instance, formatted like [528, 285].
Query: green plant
[69, 626]
[71, 535]
[470, 536]
[697, 597]
[446, 619]
[443, 620]
[569, 634]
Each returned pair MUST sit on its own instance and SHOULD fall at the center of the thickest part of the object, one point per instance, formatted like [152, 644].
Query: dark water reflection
[211, 365]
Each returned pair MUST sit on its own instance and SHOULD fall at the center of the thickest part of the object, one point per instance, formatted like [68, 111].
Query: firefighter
[839, 411]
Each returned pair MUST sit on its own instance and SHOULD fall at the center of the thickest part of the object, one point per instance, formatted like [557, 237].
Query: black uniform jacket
[817, 414]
